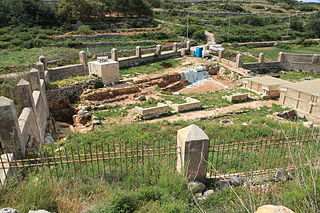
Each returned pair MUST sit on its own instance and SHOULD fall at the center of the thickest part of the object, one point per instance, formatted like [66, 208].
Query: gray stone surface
[38, 211]
[196, 187]
[8, 210]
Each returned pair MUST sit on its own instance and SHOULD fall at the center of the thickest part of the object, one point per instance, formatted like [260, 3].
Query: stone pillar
[114, 54]
[281, 57]
[158, 50]
[194, 145]
[10, 134]
[35, 80]
[40, 67]
[6, 170]
[188, 46]
[138, 51]
[315, 59]
[44, 60]
[206, 47]
[220, 54]
[84, 61]
[261, 58]
[175, 47]
[239, 61]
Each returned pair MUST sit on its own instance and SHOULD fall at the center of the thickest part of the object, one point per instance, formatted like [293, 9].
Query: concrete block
[108, 71]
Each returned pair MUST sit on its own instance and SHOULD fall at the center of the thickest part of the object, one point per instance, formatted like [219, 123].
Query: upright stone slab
[194, 145]
[40, 67]
[239, 61]
[35, 80]
[44, 60]
[10, 134]
[281, 57]
[206, 47]
[261, 58]
[138, 51]
[220, 54]
[158, 50]
[175, 47]
[6, 170]
[315, 59]
[188, 45]
[84, 61]
[114, 54]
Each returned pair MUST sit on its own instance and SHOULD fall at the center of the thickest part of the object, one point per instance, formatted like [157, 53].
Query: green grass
[153, 68]
[271, 53]
[110, 112]
[28, 56]
[69, 81]
[296, 76]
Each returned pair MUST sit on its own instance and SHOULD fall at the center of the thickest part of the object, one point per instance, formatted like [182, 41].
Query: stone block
[190, 104]
[152, 112]
[237, 97]
[108, 71]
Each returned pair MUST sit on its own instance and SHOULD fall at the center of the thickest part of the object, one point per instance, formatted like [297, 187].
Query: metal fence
[230, 157]
[110, 161]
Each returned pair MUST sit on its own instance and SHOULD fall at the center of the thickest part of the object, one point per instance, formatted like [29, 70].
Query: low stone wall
[286, 61]
[305, 62]
[190, 104]
[60, 73]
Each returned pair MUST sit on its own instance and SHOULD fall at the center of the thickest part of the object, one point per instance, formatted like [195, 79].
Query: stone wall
[20, 131]
[286, 61]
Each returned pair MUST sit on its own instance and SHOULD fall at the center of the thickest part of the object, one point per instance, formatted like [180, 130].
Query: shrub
[84, 29]
[257, 7]
[199, 35]
[308, 43]
[283, 46]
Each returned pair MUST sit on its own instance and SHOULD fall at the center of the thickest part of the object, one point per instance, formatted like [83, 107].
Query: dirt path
[198, 115]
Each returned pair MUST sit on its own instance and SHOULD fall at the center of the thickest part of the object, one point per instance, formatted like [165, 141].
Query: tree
[297, 25]
[71, 11]
[26, 12]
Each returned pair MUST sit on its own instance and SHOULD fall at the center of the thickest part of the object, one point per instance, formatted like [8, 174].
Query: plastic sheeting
[195, 74]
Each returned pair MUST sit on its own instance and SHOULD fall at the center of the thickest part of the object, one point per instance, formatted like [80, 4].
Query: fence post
[175, 47]
[194, 146]
[44, 60]
[114, 54]
[206, 47]
[9, 128]
[239, 61]
[158, 50]
[84, 61]
[138, 51]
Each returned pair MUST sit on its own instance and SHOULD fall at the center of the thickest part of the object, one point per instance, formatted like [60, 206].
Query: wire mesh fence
[236, 157]
[110, 161]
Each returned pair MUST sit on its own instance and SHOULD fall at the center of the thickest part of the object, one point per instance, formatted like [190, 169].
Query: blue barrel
[199, 51]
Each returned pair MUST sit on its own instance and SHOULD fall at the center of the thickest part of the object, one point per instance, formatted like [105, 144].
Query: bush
[283, 46]
[308, 43]
[257, 7]
[84, 29]
[199, 35]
